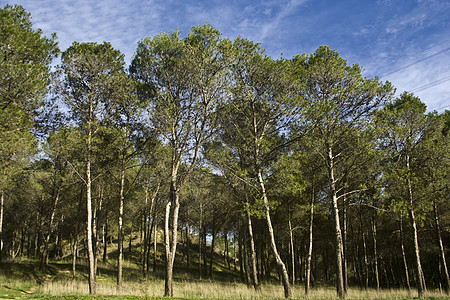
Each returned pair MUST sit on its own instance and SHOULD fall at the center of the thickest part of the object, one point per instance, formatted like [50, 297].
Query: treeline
[303, 168]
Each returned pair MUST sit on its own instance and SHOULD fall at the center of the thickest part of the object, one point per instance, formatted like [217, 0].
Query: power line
[414, 63]
[431, 84]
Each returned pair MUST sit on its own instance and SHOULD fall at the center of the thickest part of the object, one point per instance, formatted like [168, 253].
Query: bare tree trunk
[421, 286]
[74, 249]
[105, 242]
[291, 240]
[200, 241]
[211, 258]
[310, 246]
[403, 252]
[155, 242]
[252, 252]
[375, 254]
[366, 260]
[171, 248]
[120, 231]
[344, 243]
[280, 263]
[146, 225]
[44, 260]
[441, 248]
[2, 199]
[90, 247]
[337, 225]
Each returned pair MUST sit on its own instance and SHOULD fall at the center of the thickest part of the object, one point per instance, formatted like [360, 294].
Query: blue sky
[404, 41]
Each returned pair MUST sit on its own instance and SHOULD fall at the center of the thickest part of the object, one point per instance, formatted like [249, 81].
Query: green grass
[23, 279]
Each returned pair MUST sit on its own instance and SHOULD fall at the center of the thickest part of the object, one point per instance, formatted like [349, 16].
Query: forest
[207, 151]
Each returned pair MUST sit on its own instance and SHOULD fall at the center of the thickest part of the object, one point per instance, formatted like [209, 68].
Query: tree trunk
[421, 286]
[105, 242]
[252, 252]
[74, 255]
[90, 248]
[200, 241]
[281, 266]
[310, 246]
[2, 198]
[344, 244]
[403, 253]
[375, 254]
[145, 233]
[291, 240]
[44, 260]
[337, 225]
[155, 242]
[441, 248]
[120, 230]
[170, 248]
[211, 258]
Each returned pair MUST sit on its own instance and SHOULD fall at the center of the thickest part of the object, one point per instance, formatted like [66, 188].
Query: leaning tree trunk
[421, 287]
[441, 248]
[310, 246]
[337, 226]
[280, 263]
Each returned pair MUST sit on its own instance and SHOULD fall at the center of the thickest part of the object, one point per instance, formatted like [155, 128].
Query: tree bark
[405, 264]
[170, 248]
[310, 246]
[375, 254]
[120, 230]
[421, 286]
[2, 199]
[337, 225]
[441, 248]
[74, 255]
[291, 240]
[90, 249]
[252, 252]
[44, 260]
[281, 266]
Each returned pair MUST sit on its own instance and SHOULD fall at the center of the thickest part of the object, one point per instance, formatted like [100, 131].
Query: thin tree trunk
[120, 230]
[90, 248]
[310, 246]
[211, 258]
[281, 266]
[171, 248]
[344, 243]
[252, 252]
[403, 252]
[200, 241]
[291, 240]
[74, 255]
[2, 199]
[441, 248]
[44, 260]
[375, 254]
[105, 242]
[155, 242]
[421, 286]
[337, 225]
[146, 225]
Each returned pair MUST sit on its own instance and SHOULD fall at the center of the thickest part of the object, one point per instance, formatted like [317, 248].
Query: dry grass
[214, 290]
